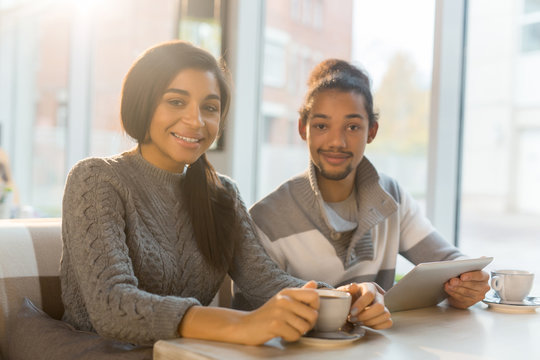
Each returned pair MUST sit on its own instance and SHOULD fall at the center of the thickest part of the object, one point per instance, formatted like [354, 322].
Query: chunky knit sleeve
[257, 278]
[97, 271]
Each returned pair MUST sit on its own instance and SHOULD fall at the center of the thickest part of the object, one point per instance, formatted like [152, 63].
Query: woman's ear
[302, 129]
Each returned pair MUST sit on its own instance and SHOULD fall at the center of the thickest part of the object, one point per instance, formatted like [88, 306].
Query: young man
[341, 221]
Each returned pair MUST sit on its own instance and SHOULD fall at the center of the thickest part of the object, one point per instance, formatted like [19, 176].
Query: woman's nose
[192, 116]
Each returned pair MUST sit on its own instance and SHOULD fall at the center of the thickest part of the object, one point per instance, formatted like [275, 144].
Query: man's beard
[334, 176]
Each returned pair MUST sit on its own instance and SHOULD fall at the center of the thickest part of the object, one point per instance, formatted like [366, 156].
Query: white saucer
[528, 305]
[335, 338]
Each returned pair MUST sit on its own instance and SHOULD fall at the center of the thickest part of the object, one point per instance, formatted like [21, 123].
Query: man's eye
[354, 127]
[320, 126]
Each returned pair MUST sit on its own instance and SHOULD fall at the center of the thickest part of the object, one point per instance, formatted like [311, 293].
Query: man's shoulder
[286, 210]
[391, 186]
[282, 196]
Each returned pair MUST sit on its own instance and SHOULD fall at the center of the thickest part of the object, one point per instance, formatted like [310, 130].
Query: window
[62, 66]
[275, 57]
[531, 6]
[318, 14]
[398, 62]
[201, 22]
[530, 31]
[501, 155]
[531, 37]
[295, 10]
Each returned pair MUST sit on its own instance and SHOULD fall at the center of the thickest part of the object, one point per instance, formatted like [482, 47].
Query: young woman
[149, 234]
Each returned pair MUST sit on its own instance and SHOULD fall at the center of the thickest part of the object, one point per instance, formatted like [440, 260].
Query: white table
[438, 332]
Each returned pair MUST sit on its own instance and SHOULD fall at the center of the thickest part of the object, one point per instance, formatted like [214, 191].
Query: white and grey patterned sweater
[310, 241]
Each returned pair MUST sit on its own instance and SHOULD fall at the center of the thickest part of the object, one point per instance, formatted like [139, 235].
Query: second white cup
[512, 285]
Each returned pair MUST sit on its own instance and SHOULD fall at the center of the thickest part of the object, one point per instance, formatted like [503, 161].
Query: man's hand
[368, 305]
[467, 289]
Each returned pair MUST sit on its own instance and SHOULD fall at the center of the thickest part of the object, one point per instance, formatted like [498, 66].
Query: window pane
[531, 6]
[400, 63]
[62, 67]
[297, 36]
[530, 37]
[34, 103]
[301, 34]
[501, 155]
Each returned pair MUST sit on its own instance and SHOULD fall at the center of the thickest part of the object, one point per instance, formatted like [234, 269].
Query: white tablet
[424, 284]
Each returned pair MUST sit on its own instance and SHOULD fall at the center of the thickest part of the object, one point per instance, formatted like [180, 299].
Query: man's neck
[336, 190]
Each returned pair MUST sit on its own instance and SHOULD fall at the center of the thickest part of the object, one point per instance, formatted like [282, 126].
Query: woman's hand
[289, 315]
[368, 305]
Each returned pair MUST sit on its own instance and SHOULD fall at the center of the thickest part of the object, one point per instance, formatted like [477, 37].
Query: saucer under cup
[512, 286]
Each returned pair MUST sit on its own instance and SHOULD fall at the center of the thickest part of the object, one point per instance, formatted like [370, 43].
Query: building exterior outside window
[62, 67]
[500, 204]
[298, 35]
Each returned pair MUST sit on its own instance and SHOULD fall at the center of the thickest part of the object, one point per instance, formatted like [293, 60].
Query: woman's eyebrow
[177, 91]
[186, 93]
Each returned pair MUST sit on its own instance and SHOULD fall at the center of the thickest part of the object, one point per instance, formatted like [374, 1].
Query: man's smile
[335, 157]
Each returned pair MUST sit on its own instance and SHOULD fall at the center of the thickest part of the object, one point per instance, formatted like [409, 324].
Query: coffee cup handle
[497, 283]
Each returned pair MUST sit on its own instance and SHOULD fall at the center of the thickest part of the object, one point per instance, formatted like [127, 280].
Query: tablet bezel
[424, 285]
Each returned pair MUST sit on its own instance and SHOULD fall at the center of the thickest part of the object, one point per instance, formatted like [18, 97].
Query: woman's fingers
[293, 312]
[305, 296]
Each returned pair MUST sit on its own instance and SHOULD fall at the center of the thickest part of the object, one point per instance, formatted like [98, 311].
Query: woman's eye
[354, 127]
[175, 102]
[211, 108]
[320, 126]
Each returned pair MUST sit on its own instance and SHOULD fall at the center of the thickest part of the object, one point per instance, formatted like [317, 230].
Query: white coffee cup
[333, 309]
[512, 285]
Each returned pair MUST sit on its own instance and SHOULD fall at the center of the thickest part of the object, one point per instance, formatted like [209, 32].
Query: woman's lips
[187, 141]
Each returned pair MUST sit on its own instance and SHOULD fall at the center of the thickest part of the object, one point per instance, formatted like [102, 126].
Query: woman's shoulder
[228, 182]
[91, 165]
[99, 166]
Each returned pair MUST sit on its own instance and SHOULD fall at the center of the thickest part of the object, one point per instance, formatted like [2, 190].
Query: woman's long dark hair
[209, 205]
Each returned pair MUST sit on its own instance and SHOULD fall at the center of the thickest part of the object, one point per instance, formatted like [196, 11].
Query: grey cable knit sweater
[130, 265]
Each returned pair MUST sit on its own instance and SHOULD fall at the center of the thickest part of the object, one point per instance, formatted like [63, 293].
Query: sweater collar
[366, 175]
[374, 203]
[146, 168]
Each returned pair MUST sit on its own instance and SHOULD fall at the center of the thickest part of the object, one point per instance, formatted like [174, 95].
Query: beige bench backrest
[30, 252]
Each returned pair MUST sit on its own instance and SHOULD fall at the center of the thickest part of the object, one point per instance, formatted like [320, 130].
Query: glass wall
[500, 202]
[299, 34]
[62, 66]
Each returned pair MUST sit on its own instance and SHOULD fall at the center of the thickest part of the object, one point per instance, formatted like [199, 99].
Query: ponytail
[211, 210]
